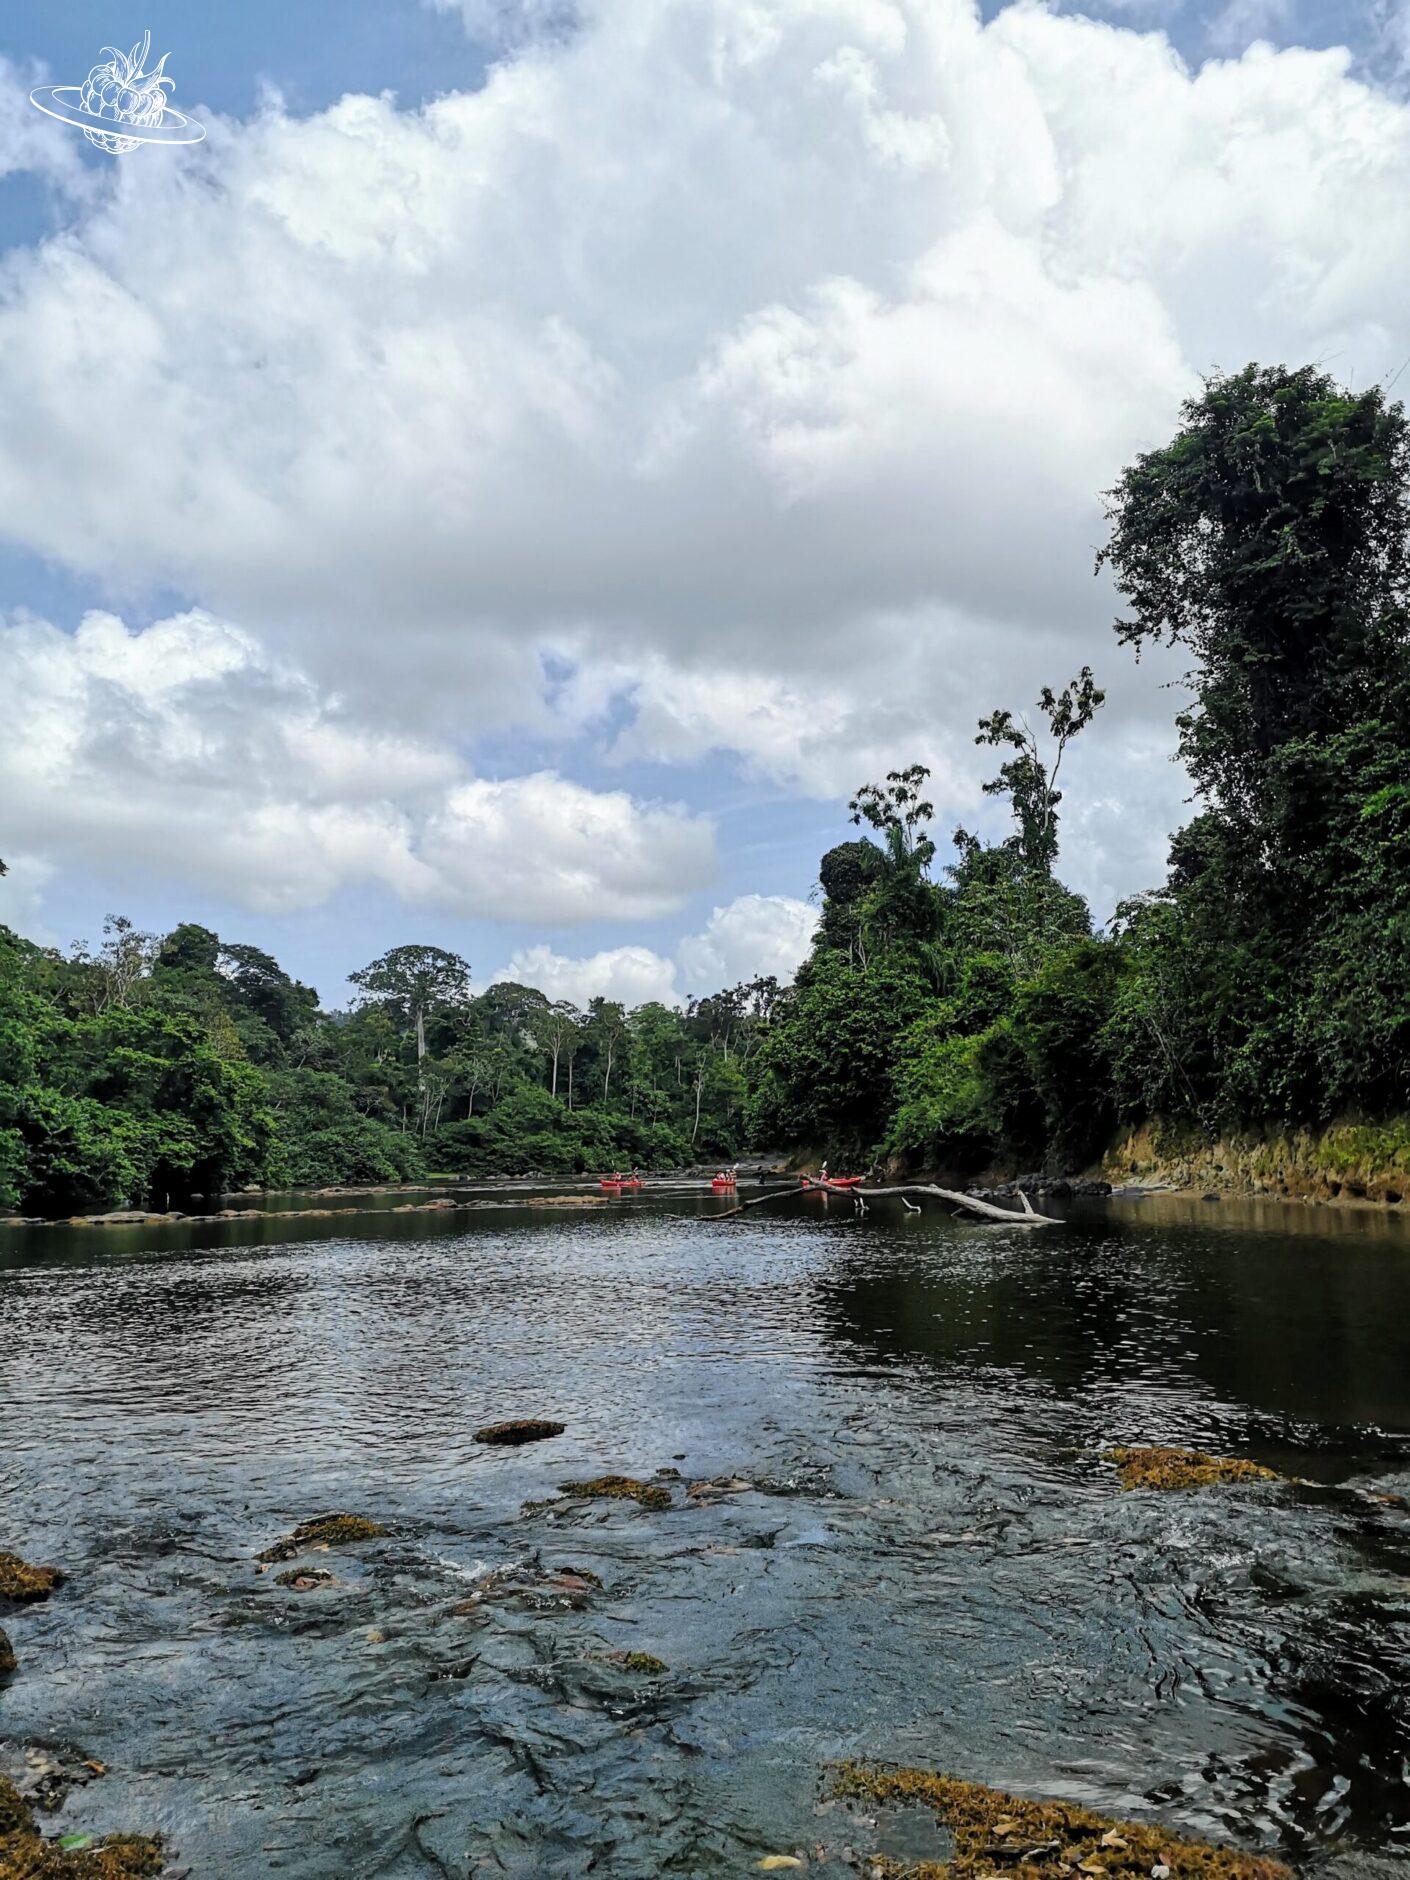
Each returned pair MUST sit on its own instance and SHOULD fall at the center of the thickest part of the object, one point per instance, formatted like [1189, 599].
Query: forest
[961, 1017]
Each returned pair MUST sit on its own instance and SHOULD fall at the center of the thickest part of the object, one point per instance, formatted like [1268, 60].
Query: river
[931, 1562]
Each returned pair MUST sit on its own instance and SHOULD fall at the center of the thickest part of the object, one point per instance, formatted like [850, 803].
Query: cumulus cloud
[633, 975]
[186, 751]
[754, 935]
[788, 342]
[22, 897]
[27, 142]
[542, 848]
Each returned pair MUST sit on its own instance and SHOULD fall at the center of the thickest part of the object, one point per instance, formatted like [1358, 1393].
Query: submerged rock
[530, 1587]
[640, 1664]
[1163, 1467]
[717, 1488]
[54, 1771]
[519, 1430]
[324, 1530]
[21, 1582]
[998, 1833]
[9, 1664]
[305, 1579]
[26, 1855]
[619, 1488]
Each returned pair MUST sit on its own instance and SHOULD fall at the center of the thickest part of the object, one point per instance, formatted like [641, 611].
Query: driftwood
[1028, 1217]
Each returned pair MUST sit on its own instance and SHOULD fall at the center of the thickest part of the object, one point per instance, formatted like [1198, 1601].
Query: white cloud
[542, 848]
[754, 935]
[185, 751]
[769, 356]
[1239, 22]
[758, 934]
[634, 975]
[28, 143]
[22, 897]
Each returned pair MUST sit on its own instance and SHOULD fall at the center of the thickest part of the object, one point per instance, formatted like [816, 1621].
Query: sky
[510, 483]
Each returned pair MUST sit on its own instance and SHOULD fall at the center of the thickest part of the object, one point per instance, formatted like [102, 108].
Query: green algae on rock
[996, 1833]
[324, 1530]
[1163, 1467]
[619, 1488]
[26, 1855]
[521, 1430]
[21, 1582]
[305, 1579]
[640, 1664]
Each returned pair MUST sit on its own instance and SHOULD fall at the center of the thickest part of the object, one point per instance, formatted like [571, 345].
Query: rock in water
[324, 1530]
[26, 1855]
[305, 1579]
[998, 1833]
[21, 1582]
[1163, 1467]
[519, 1430]
[619, 1488]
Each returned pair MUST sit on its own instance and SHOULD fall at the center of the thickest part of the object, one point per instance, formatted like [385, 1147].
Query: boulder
[519, 1430]
[324, 1530]
[22, 1583]
[619, 1488]
[1163, 1467]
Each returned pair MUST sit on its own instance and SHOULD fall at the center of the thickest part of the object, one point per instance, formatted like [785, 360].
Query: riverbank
[1349, 1162]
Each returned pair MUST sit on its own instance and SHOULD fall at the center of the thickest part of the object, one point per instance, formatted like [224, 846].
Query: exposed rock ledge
[1346, 1161]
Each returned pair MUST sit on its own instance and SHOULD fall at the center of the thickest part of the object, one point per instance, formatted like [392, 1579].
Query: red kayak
[725, 1182]
[833, 1181]
[621, 1184]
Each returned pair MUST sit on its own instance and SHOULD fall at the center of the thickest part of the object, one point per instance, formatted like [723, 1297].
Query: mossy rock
[21, 1582]
[520, 1430]
[324, 1530]
[619, 1488]
[305, 1579]
[26, 1855]
[9, 1664]
[995, 1833]
[1163, 1467]
[639, 1664]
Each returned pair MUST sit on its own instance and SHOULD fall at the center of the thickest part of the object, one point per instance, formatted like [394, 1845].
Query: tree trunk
[1026, 1217]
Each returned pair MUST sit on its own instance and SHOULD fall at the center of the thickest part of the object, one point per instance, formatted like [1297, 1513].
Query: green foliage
[1270, 978]
[155, 1070]
[824, 1070]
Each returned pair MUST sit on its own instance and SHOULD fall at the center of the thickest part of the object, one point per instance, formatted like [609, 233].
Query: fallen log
[1028, 1217]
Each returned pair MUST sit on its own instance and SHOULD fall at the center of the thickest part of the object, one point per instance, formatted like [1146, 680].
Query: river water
[932, 1562]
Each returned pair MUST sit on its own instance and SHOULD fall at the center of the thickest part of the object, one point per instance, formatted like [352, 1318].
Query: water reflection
[932, 1561]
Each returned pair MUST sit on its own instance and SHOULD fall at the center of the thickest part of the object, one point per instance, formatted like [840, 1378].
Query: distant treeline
[952, 1022]
[157, 1069]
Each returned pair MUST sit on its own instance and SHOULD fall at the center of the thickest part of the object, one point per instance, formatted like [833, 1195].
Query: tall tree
[415, 981]
[1029, 778]
[1269, 537]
